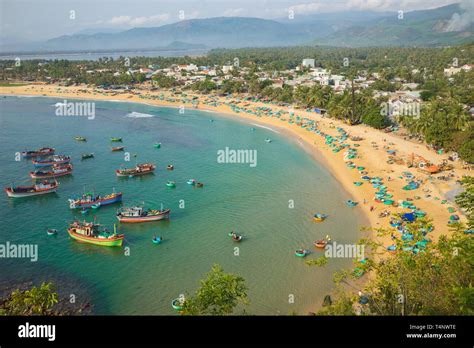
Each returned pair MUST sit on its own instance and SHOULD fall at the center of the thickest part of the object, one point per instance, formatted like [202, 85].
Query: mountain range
[435, 27]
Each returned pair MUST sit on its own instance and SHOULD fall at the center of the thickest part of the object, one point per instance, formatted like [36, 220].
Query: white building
[227, 68]
[308, 63]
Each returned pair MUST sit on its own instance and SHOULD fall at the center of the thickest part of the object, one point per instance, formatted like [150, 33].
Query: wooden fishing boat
[87, 155]
[139, 214]
[140, 169]
[55, 159]
[171, 184]
[44, 151]
[118, 148]
[79, 138]
[88, 200]
[89, 232]
[321, 243]
[115, 139]
[56, 171]
[34, 190]
[319, 217]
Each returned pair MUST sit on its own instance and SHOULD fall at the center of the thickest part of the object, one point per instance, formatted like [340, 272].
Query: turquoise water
[253, 201]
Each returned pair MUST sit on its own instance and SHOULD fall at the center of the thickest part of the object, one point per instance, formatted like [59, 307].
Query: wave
[138, 115]
[269, 128]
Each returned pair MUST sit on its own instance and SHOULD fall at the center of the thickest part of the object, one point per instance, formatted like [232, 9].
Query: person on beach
[371, 208]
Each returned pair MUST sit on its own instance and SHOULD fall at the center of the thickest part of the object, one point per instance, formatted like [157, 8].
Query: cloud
[231, 12]
[129, 21]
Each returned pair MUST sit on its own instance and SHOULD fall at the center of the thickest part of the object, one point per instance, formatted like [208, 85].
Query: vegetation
[35, 301]
[219, 294]
[466, 199]
[437, 280]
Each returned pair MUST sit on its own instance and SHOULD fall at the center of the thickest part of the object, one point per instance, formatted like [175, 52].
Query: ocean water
[254, 201]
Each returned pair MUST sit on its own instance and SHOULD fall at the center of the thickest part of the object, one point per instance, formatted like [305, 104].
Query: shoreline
[369, 156]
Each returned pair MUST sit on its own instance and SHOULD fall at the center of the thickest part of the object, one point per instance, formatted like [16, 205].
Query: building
[308, 63]
[227, 68]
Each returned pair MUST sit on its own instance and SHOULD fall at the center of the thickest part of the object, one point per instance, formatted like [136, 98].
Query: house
[451, 71]
[227, 68]
[308, 63]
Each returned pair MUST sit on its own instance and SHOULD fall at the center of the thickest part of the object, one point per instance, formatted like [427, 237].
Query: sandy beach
[371, 150]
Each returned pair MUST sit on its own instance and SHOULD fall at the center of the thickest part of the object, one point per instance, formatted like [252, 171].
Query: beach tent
[410, 217]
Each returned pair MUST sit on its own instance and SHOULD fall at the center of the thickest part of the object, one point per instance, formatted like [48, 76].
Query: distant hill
[418, 28]
[435, 27]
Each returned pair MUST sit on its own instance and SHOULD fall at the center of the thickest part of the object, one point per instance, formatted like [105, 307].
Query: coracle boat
[268, 140]
[115, 139]
[88, 200]
[171, 184]
[319, 217]
[235, 237]
[157, 145]
[88, 232]
[56, 171]
[140, 169]
[321, 243]
[177, 304]
[44, 151]
[55, 159]
[157, 240]
[52, 232]
[351, 203]
[301, 252]
[191, 182]
[118, 148]
[87, 155]
[139, 214]
[199, 184]
[79, 138]
[170, 167]
[37, 189]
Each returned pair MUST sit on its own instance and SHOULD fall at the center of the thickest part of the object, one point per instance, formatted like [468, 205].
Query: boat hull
[52, 175]
[115, 199]
[119, 174]
[115, 241]
[28, 194]
[49, 164]
[131, 219]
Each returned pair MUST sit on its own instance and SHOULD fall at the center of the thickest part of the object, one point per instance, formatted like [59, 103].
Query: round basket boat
[301, 253]
[52, 232]
[176, 304]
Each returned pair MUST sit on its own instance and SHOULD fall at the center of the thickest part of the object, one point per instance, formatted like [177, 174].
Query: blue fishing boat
[88, 200]
[351, 203]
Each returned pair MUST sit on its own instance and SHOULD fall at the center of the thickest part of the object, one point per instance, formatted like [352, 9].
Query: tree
[219, 294]
[466, 199]
[36, 301]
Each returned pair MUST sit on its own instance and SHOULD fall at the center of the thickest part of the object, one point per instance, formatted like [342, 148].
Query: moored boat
[56, 171]
[199, 184]
[321, 243]
[170, 167]
[116, 139]
[79, 138]
[140, 169]
[55, 159]
[171, 184]
[157, 240]
[118, 148]
[301, 252]
[88, 200]
[235, 237]
[319, 217]
[52, 232]
[87, 155]
[177, 304]
[44, 151]
[89, 232]
[34, 190]
[351, 203]
[157, 145]
[139, 214]
[268, 140]
[191, 182]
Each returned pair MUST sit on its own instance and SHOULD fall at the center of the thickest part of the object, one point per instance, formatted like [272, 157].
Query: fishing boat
[319, 217]
[44, 151]
[116, 140]
[268, 140]
[89, 232]
[321, 243]
[171, 184]
[170, 167]
[34, 190]
[191, 182]
[157, 145]
[89, 199]
[118, 148]
[95, 206]
[235, 237]
[55, 159]
[52, 232]
[199, 184]
[140, 169]
[301, 252]
[140, 214]
[351, 203]
[79, 138]
[157, 240]
[87, 155]
[177, 304]
[56, 171]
